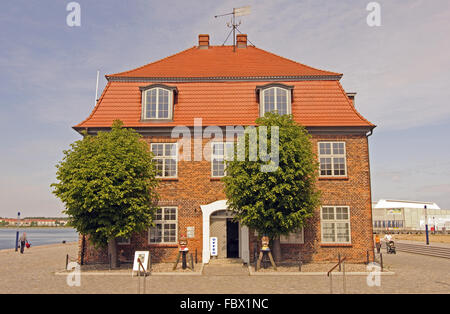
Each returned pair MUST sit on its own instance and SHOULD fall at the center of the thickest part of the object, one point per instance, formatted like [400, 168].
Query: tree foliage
[107, 183]
[278, 202]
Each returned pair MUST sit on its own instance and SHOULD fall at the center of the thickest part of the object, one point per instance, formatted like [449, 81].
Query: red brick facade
[194, 187]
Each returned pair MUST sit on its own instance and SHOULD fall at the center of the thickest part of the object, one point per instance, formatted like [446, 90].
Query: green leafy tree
[108, 185]
[274, 202]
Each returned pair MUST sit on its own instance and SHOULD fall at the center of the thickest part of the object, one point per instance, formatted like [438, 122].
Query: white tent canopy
[382, 203]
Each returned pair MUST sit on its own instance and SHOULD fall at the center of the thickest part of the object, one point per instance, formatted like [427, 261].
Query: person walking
[22, 240]
[378, 243]
[387, 238]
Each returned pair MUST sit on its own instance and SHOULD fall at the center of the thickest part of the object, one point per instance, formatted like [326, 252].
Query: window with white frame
[122, 241]
[335, 224]
[166, 226]
[332, 159]
[165, 157]
[275, 99]
[220, 152]
[296, 237]
[157, 103]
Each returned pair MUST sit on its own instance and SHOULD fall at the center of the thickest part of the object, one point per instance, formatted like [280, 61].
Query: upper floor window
[275, 98]
[220, 152]
[166, 158]
[157, 102]
[332, 159]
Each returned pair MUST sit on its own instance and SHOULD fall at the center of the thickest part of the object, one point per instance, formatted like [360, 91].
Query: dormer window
[275, 98]
[157, 102]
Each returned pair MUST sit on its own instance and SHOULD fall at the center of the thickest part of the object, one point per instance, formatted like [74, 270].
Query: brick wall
[352, 191]
[194, 187]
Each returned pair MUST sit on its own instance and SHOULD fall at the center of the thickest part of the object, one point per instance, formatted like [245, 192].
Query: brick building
[226, 87]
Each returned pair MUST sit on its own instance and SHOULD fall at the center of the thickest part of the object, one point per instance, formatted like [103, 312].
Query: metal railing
[330, 274]
[139, 277]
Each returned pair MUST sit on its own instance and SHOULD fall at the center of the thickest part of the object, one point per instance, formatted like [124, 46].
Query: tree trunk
[276, 250]
[112, 253]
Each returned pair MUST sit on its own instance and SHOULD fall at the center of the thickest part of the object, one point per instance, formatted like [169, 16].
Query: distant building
[38, 222]
[408, 215]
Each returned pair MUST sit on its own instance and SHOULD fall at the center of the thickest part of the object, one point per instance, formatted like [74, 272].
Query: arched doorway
[233, 238]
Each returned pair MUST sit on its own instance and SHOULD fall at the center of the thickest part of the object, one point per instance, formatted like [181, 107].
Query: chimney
[241, 40]
[351, 96]
[203, 41]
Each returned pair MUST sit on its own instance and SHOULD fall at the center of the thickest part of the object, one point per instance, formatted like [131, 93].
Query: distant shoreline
[36, 227]
[43, 246]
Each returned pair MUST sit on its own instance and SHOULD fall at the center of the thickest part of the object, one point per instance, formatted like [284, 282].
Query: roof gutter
[225, 78]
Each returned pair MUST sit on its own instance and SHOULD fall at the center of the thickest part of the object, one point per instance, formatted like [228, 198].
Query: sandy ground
[34, 272]
[436, 238]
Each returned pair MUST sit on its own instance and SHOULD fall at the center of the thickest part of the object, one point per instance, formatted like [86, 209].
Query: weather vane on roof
[236, 12]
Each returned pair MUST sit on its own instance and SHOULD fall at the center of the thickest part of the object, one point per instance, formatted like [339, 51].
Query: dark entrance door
[232, 239]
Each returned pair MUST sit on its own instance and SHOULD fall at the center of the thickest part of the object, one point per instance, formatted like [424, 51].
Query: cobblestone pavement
[34, 272]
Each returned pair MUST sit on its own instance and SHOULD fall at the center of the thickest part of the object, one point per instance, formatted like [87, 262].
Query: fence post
[339, 261]
[367, 257]
[83, 245]
[331, 283]
[67, 260]
[343, 277]
[381, 261]
[196, 261]
[150, 261]
[300, 260]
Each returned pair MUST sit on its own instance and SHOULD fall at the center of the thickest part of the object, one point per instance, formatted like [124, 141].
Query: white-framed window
[332, 159]
[166, 226]
[122, 241]
[220, 152]
[157, 103]
[293, 237]
[275, 99]
[335, 224]
[166, 159]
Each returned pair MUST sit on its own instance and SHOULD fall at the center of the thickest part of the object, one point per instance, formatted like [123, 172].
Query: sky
[400, 71]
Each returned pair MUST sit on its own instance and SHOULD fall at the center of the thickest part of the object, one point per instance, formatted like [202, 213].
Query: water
[37, 236]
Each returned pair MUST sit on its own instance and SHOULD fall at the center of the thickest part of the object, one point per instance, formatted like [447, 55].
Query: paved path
[34, 271]
[438, 244]
[224, 268]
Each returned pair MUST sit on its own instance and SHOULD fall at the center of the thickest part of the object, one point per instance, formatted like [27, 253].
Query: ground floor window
[122, 241]
[166, 226]
[296, 237]
[335, 224]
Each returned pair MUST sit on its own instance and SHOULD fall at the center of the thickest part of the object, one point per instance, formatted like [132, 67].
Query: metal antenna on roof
[236, 12]
[96, 89]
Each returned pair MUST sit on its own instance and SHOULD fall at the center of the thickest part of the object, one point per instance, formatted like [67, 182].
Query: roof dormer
[275, 97]
[158, 101]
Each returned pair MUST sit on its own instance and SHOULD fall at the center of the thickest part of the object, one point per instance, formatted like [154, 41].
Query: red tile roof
[315, 103]
[221, 61]
[319, 99]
